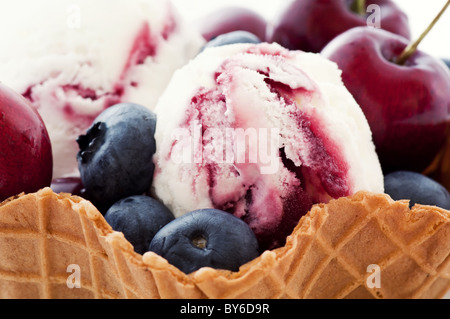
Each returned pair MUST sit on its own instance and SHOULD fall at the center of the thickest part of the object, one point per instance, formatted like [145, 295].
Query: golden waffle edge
[362, 246]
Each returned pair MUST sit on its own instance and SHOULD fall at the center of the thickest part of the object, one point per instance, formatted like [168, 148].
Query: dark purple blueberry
[139, 218]
[417, 188]
[232, 38]
[206, 238]
[115, 156]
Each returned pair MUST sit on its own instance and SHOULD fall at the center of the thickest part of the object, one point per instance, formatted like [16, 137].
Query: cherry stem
[359, 6]
[412, 47]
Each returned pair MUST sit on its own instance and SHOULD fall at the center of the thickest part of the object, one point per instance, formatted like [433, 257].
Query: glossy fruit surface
[26, 161]
[139, 218]
[309, 25]
[206, 238]
[407, 106]
[232, 18]
[417, 188]
[115, 156]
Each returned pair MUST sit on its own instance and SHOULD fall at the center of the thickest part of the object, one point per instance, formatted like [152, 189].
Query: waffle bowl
[43, 234]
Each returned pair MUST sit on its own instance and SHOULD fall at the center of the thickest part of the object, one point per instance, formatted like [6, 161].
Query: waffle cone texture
[46, 238]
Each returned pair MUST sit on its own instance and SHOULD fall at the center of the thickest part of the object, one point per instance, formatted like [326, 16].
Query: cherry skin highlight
[26, 161]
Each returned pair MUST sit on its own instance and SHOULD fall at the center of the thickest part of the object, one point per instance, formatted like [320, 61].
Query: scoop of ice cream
[73, 59]
[263, 133]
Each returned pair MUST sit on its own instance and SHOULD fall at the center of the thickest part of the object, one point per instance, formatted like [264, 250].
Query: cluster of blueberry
[115, 162]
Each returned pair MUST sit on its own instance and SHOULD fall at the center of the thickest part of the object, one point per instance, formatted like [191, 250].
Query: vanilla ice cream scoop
[263, 133]
[74, 58]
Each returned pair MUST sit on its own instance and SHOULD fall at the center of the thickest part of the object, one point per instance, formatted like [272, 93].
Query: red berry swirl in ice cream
[82, 57]
[263, 133]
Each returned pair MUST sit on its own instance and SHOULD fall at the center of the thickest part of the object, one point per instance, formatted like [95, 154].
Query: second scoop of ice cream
[263, 133]
[74, 59]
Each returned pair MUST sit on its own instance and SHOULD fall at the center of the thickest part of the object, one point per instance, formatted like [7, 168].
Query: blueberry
[416, 187]
[206, 238]
[139, 218]
[447, 62]
[232, 38]
[115, 156]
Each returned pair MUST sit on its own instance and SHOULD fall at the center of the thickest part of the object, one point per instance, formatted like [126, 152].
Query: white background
[420, 14]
